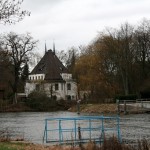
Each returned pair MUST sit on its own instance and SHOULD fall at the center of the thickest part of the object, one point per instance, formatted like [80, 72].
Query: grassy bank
[109, 108]
[37, 107]
[12, 146]
[106, 109]
[96, 108]
[110, 144]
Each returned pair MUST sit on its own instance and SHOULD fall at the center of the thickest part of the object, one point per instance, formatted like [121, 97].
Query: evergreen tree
[25, 72]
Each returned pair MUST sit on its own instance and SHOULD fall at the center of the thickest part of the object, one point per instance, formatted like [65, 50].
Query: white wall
[62, 91]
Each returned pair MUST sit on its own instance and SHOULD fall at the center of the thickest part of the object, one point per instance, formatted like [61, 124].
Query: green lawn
[11, 146]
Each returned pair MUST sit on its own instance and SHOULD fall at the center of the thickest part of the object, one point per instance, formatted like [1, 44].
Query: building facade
[52, 77]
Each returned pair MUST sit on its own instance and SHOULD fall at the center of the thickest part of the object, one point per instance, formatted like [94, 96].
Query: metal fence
[81, 129]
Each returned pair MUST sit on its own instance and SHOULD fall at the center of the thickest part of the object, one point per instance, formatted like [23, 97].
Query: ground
[110, 144]
[106, 109]
[96, 108]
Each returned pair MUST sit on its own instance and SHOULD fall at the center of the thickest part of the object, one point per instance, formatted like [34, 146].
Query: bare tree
[19, 47]
[10, 11]
[142, 44]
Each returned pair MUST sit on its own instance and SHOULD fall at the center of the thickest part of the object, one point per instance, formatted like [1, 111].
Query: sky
[72, 23]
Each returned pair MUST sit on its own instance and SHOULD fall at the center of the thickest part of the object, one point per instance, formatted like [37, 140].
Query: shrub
[126, 97]
[39, 101]
[145, 94]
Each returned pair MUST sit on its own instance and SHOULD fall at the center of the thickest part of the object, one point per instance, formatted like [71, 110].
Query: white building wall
[29, 87]
[62, 91]
[73, 92]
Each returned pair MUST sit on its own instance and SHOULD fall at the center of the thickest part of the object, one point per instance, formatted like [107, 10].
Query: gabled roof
[51, 66]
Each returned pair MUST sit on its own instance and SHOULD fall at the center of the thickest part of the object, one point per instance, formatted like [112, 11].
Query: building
[52, 77]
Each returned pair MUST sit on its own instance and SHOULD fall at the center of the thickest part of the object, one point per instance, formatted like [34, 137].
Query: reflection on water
[135, 127]
[30, 125]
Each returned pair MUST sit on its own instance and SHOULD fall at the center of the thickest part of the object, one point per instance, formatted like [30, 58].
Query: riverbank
[110, 144]
[84, 108]
[106, 109]
[95, 108]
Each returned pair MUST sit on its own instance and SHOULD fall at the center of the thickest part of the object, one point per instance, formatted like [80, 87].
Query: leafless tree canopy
[19, 48]
[10, 11]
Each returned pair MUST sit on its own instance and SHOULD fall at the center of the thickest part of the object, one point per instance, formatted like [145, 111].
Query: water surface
[30, 125]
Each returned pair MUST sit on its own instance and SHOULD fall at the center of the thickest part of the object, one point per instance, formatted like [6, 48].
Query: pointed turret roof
[45, 47]
[54, 47]
[51, 66]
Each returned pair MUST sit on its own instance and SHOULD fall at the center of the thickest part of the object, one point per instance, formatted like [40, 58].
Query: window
[68, 86]
[68, 97]
[39, 77]
[56, 87]
[62, 86]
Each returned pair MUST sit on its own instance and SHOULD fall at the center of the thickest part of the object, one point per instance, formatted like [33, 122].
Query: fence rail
[141, 105]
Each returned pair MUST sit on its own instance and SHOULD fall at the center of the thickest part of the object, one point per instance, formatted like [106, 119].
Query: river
[30, 125]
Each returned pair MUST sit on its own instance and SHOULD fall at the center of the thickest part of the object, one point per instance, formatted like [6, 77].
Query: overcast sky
[76, 22]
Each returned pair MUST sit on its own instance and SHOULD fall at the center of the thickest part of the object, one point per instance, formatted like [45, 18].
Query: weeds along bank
[36, 106]
[110, 144]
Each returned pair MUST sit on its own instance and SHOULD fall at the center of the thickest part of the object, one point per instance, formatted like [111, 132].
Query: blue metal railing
[92, 128]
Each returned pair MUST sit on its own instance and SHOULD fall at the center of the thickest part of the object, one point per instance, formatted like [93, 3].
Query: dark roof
[51, 66]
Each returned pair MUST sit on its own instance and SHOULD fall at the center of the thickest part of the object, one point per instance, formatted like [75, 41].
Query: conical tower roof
[51, 66]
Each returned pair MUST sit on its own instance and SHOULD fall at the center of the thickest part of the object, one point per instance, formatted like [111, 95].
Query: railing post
[118, 129]
[125, 108]
[118, 106]
[60, 132]
[46, 129]
[80, 137]
[90, 128]
[78, 106]
[141, 103]
[75, 130]
[103, 129]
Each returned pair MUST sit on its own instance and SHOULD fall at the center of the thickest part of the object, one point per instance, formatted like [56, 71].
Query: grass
[11, 146]
[110, 144]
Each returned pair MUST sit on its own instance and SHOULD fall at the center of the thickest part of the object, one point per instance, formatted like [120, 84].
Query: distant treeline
[116, 62]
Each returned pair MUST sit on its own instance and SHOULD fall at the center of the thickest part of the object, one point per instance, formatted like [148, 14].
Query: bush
[145, 94]
[39, 101]
[65, 104]
[126, 97]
